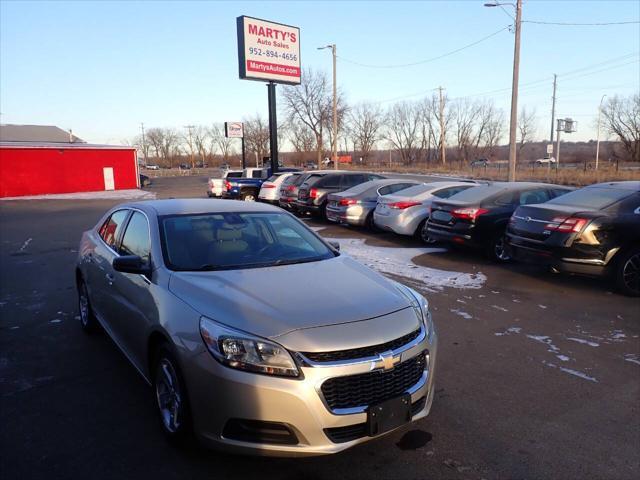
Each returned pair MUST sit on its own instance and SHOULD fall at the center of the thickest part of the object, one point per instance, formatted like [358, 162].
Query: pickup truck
[248, 185]
[215, 186]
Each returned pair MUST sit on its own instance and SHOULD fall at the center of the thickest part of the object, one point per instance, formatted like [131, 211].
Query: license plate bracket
[387, 415]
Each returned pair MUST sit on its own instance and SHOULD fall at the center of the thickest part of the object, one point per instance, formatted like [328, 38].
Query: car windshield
[229, 241]
[592, 197]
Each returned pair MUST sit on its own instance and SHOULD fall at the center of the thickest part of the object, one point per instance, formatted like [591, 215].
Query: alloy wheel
[631, 273]
[500, 250]
[168, 395]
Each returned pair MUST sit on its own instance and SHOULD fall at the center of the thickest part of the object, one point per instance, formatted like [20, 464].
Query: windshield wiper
[294, 261]
[207, 267]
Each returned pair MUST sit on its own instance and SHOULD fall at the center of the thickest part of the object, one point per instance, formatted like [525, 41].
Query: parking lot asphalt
[538, 375]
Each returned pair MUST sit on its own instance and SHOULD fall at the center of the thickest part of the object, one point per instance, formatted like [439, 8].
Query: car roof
[632, 185]
[187, 206]
[518, 185]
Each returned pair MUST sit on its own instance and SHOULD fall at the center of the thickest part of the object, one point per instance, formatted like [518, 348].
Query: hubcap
[168, 396]
[249, 198]
[500, 250]
[84, 305]
[631, 273]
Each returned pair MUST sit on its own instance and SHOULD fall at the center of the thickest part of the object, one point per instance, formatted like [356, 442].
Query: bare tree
[220, 142]
[364, 124]
[200, 137]
[465, 118]
[310, 103]
[189, 144]
[526, 126]
[430, 108]
[403, 128]
[165, 143]
[256, 136]
[622, 119]
[301, 137]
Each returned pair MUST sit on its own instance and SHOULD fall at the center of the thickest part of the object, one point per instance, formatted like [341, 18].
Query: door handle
[110, 278]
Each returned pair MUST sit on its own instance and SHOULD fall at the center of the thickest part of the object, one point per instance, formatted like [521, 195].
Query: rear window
[308, 178]
[595, 198]
[415, 190]
[273, 177]
[290, 179]
[476, 194]
[234, 174]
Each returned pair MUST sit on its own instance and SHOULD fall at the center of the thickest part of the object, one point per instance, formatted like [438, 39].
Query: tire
[627, 272]
[171, 399]
[88, 320]
[497, 249]
[418, 233]
[424, 236]
[370, 224]
[248, 197]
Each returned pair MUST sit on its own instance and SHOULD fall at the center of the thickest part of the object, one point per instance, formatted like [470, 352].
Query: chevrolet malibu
[256, 335]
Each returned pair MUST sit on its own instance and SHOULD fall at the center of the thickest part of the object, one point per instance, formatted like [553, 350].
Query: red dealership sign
[268, 51]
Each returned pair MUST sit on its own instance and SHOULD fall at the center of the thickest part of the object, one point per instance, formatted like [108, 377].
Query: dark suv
[314, 192]
[478, 216]
[592, 231]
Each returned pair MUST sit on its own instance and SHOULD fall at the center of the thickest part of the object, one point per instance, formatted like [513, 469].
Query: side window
[257, 174]
[556, 192]
[533, 196]
[112, 227]
[330, 181]
[349, 181]
[136, 238]
[400, 186]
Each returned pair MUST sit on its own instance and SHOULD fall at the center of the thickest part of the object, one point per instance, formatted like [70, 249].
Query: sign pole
[244, 161]
[273, 127]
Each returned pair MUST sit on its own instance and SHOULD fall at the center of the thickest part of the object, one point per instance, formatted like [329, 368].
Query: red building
[40, 160]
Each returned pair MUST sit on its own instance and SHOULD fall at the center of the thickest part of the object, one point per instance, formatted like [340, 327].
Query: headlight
[421, 307]
[240, 350]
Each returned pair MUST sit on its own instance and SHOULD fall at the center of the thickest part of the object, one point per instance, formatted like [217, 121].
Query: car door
[133, 308]
[100, 270]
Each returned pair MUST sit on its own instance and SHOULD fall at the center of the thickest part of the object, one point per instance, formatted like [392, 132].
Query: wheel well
[78, 276]
[155, 340]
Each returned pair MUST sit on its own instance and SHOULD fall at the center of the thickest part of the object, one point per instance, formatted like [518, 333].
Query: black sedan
[478, 217]
[593, 231]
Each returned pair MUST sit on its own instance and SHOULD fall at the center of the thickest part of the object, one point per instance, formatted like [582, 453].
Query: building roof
[36, 134]
[65, 146]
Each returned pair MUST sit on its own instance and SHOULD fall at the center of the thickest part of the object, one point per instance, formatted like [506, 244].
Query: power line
[606, 62]
[428, 59]
[570, 24]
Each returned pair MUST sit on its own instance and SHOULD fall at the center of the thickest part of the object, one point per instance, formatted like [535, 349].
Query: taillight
[347, 201]
[468, 213]
[268, 185]
[291, 188]
[313, 193]
[227, 185]
[402, 205]
[566, 224]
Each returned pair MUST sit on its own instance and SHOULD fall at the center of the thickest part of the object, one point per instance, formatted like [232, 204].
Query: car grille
[359, 430]
[364, 352]
[373, 387]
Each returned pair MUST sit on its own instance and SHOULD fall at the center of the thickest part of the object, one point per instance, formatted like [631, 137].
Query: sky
[101, 68]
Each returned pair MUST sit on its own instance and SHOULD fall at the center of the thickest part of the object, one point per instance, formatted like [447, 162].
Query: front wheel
[627, 273]
[171, 398]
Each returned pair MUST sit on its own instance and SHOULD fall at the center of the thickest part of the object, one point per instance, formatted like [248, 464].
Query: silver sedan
[356, 205]
[255, 334]
[406, 212]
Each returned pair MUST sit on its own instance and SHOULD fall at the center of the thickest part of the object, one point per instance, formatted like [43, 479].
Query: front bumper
[219, 394]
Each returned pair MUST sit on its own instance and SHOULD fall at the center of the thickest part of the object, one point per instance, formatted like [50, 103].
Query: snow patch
[542, 306]
[464, 315]
[398, 261]
[508, 331]
[564, 358]
[25, 244]
[632, 357]
[583, 341]
[499, 308]
[570, 371]
[55, 320]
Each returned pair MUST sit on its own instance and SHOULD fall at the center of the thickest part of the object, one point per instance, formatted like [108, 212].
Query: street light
[334, 143]
[598, 135]
[514, 86]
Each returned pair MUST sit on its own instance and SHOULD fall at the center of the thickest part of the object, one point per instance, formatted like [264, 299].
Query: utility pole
[514, 95]
[443, 147]
[144, 144]
[598, 135]
[189, 128]
[553, 109]
[334, 150]
[334, 140]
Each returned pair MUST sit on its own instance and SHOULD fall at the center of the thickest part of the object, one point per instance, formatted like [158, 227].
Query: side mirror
[334, 244]
[131, 264]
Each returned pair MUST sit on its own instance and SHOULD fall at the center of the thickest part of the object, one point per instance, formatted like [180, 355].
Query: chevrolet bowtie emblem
[385, 361]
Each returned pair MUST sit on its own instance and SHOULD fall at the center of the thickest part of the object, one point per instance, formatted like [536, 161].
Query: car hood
[274, 301]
